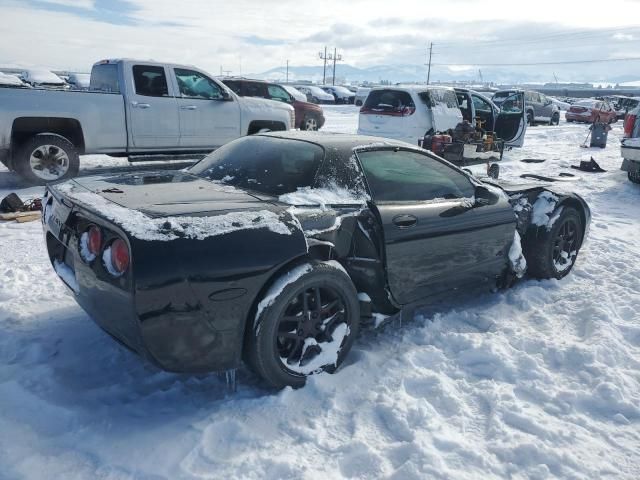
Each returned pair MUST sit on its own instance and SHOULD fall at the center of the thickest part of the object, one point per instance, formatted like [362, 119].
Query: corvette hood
[163, 194]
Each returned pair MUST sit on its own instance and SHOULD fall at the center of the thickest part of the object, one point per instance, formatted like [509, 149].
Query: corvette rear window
[267, 165]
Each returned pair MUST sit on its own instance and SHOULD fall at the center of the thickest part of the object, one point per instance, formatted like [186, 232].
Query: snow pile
[324, 197]
[516, 257]
[170, 228]
[537, 382]
[67, 275]
[328, 354]
[542, 210]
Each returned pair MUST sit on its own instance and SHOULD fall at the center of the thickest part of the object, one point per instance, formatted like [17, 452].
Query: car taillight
[116, 257]
[629, 123]
[90, 243]
[95, 240]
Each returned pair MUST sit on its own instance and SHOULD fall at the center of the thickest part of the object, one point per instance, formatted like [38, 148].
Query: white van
[408, 113]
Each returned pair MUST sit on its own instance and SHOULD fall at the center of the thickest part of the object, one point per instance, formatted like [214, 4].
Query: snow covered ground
[540, 381]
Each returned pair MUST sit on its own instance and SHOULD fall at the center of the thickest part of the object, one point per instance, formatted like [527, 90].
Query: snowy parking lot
[539, 381]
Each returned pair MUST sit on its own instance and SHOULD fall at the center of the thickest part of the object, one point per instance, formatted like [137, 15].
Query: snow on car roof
[42, 76]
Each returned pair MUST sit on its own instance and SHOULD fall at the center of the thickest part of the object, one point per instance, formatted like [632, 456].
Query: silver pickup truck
[134, 109]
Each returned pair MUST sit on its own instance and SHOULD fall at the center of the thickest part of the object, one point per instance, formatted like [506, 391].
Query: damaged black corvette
[269, 248]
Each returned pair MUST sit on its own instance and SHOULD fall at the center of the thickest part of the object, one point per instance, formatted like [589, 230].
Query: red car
[309, 116]
[590, 111]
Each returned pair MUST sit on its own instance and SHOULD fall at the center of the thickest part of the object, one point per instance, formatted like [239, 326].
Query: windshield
[317, 91]
[585, 103]
[268, 165]
[502, 95]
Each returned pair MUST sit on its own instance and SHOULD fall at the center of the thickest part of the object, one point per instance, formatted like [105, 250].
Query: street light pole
[287, 71]
[323, 56]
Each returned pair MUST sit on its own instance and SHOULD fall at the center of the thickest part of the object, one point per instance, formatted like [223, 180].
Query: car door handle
[404, 221]
[140, 105]
[188, 107]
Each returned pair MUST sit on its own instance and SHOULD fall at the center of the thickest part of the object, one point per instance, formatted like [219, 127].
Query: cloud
[248, 35]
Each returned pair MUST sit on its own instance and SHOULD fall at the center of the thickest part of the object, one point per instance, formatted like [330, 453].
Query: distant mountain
[418, 73]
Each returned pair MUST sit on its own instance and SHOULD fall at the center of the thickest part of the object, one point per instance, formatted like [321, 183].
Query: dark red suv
[309, 116]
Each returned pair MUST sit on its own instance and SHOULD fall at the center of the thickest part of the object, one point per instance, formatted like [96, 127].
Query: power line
[584, 34]
[566, 62]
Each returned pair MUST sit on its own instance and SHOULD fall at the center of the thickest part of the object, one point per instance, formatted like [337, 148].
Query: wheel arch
[24, 128]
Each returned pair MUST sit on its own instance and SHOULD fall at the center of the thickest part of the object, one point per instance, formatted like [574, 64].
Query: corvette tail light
[90, 243]
[95, 240]
[629, 123]
[116, 257]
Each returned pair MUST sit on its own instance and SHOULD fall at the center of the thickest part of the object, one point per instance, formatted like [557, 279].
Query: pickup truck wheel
[309, 123]
[47, 158]
[555, 119]
[554, 252]
[306, 323]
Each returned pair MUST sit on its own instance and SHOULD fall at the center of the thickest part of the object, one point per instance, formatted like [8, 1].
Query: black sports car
[269, 248]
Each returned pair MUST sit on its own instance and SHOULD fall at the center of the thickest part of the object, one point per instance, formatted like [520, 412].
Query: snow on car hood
[144, 227]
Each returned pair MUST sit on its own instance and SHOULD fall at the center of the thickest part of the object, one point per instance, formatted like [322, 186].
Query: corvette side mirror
[484, 196]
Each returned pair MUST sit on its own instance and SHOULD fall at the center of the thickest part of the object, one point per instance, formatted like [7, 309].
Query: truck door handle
[140, 105]
[404, 221]
[188, 107]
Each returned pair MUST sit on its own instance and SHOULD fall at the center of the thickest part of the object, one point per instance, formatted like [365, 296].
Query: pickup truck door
[511, 121]
[209, 113]
[437, 237]
[153, 110]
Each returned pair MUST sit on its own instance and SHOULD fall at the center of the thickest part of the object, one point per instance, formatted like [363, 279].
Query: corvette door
[437, 238]
[511, 122]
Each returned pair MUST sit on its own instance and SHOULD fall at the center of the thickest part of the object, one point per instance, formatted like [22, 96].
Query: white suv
[409, 113]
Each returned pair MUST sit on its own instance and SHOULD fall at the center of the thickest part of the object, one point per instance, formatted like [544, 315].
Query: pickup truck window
[104, 77]
[194, 84]
[150, 81]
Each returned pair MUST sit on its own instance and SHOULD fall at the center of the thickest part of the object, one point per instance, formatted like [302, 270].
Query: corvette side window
[403, 176]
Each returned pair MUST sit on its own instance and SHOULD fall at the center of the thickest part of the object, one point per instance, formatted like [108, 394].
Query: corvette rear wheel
[305, 324]
[555, 251]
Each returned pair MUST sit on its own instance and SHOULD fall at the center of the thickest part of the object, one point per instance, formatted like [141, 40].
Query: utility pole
[429, 70]
[324, 70]
[287, 72]
[336, 58]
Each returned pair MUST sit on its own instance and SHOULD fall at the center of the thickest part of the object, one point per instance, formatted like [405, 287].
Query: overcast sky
[246, 36]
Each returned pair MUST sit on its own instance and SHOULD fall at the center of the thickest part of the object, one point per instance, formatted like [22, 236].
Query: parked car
[361, 96]
[309, 116]
[410, 113]
[316, 94]
[538, 107]
[340, 94]
[630, 145]
[79, 81]
[563, 106]
[295, 93]
[43, 78]
[7, 80]
[135, 108]
[625, 104]
[590, 111]
[198, 269]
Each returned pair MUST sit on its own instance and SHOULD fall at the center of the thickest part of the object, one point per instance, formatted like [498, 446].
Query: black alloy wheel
[565, 245]
[309, 321]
